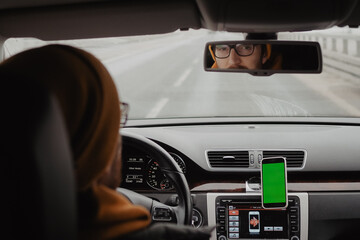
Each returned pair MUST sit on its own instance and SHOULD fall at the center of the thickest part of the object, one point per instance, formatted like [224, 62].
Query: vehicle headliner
[103, 18]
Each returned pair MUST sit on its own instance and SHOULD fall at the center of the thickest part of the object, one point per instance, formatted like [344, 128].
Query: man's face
[253, 61]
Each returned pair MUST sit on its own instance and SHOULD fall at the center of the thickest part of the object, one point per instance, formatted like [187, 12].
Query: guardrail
[341, 51]
[348, 44]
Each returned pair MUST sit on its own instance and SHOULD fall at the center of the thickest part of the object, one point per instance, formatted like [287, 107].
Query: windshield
[162, 76]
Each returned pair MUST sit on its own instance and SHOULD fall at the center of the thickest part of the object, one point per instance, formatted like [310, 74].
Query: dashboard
[219, 160]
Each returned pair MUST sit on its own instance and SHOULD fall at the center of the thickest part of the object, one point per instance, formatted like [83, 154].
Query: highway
[166, 79]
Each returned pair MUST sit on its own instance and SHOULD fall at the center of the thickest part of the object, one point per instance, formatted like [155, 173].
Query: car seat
[39, 185]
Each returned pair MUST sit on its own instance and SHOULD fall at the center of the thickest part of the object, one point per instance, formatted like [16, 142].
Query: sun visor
[274, 15]
[99, 19]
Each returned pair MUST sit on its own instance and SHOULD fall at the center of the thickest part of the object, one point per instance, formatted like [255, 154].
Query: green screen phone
[274, 182]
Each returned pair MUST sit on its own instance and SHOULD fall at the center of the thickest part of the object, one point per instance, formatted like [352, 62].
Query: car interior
[201, 170]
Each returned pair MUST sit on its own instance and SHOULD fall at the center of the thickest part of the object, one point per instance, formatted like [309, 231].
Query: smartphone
[254, 222]
[274, 182]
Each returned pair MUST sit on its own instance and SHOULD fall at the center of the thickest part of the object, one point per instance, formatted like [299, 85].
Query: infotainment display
[253, 221]
[245, 218]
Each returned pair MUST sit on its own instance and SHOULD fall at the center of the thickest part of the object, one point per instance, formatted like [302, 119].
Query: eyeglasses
[124, 108]
[223, 51]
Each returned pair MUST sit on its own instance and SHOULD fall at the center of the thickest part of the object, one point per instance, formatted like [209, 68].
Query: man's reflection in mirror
[241, 56]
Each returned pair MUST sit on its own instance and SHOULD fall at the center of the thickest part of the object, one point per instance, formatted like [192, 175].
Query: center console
[241, 216]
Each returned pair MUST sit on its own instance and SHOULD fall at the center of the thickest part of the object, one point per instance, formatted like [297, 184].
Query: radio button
[268, 229]
[294, 228]
[222, 222]
[294, 210]
[233, 235]
[233, 224]
[221, 210]
[293, 222]
[234, 212]
[278, 229]
[221, 229]
[234, 218]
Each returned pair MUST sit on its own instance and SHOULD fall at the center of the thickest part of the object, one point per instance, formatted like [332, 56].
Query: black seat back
[39, 189]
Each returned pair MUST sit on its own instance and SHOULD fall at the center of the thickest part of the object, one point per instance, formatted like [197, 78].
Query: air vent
[219, 159]
[294, 159]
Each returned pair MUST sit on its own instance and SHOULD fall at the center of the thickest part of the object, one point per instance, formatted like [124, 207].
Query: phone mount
[253, 185]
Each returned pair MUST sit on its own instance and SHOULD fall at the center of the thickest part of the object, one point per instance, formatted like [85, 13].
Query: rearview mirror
[263, 58]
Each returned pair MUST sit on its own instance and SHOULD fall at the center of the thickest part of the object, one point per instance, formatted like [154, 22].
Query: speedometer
[179, 161]
[157, 179]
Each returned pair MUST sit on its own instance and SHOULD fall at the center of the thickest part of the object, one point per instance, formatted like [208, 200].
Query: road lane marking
[270, 106]
[158, 107]
[182, 78]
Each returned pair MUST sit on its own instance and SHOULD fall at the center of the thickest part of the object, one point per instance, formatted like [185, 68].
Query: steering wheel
[159, 211]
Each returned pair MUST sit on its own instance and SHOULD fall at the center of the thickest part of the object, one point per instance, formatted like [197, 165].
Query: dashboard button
[197, 218]
[233, 224]
[221, 210]
[278, 229]
[162, 214]
[268, 229]
[294, 210]
[234, 212]
[294, 228]
[221, 229]
[252, 158]
[233, 235]
[222, 222]
[294, 222]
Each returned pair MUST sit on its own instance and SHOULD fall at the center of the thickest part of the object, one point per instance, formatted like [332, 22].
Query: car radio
[244, 218]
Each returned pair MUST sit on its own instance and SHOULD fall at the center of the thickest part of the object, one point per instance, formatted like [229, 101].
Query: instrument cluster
[142, 172]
